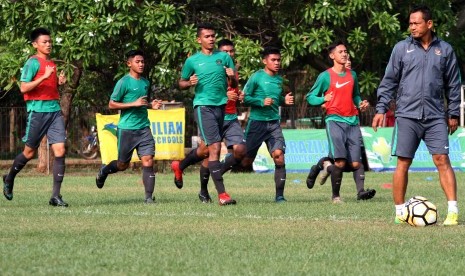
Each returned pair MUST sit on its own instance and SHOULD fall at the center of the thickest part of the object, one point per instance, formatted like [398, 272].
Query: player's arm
[316, 95]
[188, 76]
[250, 99]
[452, 87]
[116, 98]
[230, 72]
[29, 71]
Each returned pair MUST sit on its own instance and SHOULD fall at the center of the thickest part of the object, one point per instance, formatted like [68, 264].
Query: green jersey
[127, 90]
[261, 85]
[210, 71]
[316, 96]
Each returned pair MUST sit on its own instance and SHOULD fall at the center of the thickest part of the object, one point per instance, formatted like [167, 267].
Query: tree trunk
[12, 129]
[66, 100]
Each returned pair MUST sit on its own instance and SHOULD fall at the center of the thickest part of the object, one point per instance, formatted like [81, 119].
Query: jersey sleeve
[187, 70]
[118, 91]
[30, 70]
[316, 95]
[250, 99]
[356, 95]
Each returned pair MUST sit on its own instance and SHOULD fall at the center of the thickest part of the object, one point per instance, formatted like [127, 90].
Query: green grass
[110, 231]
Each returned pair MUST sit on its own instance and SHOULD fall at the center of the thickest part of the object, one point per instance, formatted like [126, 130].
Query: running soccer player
[39, 86]
[209, 72]
[263, 93]
[130, 96]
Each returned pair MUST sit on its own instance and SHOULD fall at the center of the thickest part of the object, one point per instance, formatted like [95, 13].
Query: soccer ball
[419, 211]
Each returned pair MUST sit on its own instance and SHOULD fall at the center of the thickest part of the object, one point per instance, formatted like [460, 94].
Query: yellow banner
[168, 128]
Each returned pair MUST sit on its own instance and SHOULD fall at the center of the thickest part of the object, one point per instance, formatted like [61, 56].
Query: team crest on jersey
[437, 51]
[219, 61]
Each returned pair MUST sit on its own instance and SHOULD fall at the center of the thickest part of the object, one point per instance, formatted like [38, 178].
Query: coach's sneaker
[367, 194]
[280, 199]
[324, 173]
[452, 219]
[177, 174]
[314, 170]
[337, 200]
[58, 201]
[399, 220]
[100, 179]
[7, 189]
[205, 198]
[225, 199]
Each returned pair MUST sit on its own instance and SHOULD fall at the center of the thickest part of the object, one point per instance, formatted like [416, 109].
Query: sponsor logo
[446, 147]
[219, 61]
[339, 85]
[201, 64]
[437, 51]
[410, 50]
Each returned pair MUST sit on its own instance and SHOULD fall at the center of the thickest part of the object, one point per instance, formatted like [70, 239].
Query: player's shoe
[452, 219]
[177, 174]
[7, 189]
[149, 200]
[225, 199]
[399, 220]
[367, 194]
[58, 201]
[324, 173]
[314, 170]
[100, 179]
[337, 200]
[280, 199]
[205, 198]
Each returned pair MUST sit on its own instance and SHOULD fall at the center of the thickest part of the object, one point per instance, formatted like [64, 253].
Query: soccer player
[209, 72]
[263, 93]
[130, 96]
[424, 73]
[39, 86]
[337, 88]
[232, 131]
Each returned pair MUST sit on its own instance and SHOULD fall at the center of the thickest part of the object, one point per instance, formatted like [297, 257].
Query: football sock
[191, 159]
[280, 179]
[359, 178]
[399, 209]
[228, 163]
[336, 179]
[148, 178]
[215, 172]
[18, 164]
[112, 167]
[204, 176]
[58, 174]
[452, 207]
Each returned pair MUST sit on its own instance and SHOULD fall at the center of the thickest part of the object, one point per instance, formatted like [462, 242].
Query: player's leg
[337, 137]
[315, 170]
[204, 174]
[146, 151]
[234, 138]
[277, 146]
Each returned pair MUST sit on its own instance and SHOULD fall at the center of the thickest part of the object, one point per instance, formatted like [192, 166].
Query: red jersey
[342, 103]
[48, 88]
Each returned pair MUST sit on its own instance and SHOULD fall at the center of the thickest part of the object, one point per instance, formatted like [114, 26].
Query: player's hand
[364, 105]
[229, 72]
[329, 96]
[452, 124]
[142, 101]
[323, 108]
[62, 78]
[241, 96]
[156, 104]
[232, 95]
[193, 80]
[289, 99]
[377, 121]
[268, 101]
[49, 71]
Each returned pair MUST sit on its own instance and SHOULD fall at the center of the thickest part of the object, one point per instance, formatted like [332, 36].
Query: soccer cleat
[100, 179]
[367, 194]
[149, 200]
[58, 201]
[452, 219]
[337, 200]
[7, 189]
[225, 199]
[177, 174]
[399, 220]
[314, 170]
[205, 198]
[324, 173]
[280, 199]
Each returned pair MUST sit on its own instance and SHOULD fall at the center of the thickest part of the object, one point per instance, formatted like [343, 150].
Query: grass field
[110, 231]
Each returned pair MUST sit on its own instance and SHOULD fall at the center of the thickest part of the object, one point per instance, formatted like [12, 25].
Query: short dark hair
[38, 32]
[270, 50]
[333, 45]
[424, 10]
[134, 53]
[204, 26]
[225, 42]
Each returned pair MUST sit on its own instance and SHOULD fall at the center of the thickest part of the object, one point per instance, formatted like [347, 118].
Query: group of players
[211, 72]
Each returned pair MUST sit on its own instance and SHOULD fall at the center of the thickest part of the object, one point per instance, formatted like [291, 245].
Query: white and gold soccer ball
[419, 211]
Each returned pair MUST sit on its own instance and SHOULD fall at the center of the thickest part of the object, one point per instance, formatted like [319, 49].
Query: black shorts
[39, 124]
[209, 120]
[344, 141]
[140, 140]
[232, 133]
[258, 132]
